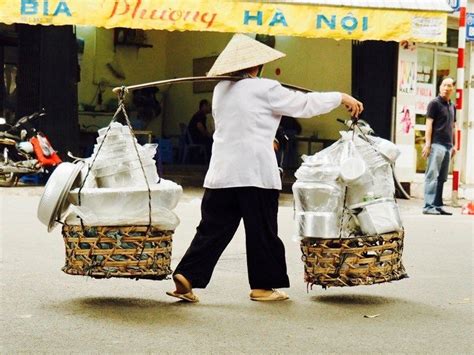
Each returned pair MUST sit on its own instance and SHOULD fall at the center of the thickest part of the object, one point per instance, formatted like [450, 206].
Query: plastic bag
[130, 202]
[348, 173]
[161, 217]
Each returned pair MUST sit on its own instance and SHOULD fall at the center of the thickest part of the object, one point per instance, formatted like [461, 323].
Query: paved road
[44, 310]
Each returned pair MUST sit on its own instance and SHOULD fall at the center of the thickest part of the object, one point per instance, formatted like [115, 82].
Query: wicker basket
[136, 252]
[354, 261]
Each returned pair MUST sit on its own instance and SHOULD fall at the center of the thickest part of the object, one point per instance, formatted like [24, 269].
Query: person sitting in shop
[147, 106]
[198, 127]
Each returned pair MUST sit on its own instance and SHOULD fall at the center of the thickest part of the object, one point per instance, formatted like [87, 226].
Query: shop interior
[124, 57]
[114, 57]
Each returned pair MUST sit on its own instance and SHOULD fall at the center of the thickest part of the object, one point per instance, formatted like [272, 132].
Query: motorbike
[24, 150]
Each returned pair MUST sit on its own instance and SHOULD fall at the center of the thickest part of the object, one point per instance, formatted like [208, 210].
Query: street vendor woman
[243, 181]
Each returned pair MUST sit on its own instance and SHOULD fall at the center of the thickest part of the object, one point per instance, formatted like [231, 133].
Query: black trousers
[221, 212]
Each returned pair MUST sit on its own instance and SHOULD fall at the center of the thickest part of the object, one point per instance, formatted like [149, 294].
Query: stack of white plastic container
[116, 189]
[117, 164]
[347, 189]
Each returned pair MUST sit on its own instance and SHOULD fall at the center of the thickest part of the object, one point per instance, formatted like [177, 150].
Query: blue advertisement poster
[470, 26]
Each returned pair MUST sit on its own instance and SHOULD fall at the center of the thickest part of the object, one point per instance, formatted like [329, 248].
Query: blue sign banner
[455, 4]
[470, 26]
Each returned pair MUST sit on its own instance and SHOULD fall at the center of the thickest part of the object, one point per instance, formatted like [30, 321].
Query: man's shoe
[432, 211]
[443, 212]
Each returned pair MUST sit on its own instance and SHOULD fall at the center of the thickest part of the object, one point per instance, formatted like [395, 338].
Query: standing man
[439, 146]
[198, 127]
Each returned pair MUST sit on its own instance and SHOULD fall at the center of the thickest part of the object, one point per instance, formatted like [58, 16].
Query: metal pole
[459, 99]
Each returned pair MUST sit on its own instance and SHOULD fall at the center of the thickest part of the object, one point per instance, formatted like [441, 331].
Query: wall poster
[406, 111]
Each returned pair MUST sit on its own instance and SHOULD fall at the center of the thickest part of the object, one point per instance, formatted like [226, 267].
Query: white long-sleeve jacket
[246, 115]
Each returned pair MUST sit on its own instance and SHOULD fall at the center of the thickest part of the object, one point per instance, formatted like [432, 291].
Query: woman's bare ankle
[182, 284]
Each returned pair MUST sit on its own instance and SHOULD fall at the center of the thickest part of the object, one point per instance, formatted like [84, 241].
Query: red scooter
[24, 150]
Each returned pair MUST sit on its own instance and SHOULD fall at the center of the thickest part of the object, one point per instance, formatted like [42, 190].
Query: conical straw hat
[243, 52]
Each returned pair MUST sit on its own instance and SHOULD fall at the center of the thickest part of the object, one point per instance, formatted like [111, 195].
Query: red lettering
[187, 15]
[175, 15]
[163, 14]
[123, 7]
[137, 7]
[424, 91]
[211, 21]
[152, 16]
[116, 6]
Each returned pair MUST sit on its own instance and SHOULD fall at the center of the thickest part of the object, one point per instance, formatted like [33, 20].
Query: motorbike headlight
[26, 147]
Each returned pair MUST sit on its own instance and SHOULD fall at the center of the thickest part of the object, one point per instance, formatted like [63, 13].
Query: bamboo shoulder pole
[125, 89]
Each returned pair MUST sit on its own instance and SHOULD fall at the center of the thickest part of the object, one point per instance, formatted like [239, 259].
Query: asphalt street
[44, 310]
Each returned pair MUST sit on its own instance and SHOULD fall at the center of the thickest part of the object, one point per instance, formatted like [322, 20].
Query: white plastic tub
[317, 173]
[384, 185]
[115, 128]
[115, 138]
[121, 147]
[388, 149]
[122, 163]
[379, 216]
[126, 201]
[359, 192]
[354, 171]
[125, 176]
[318, 196]
[370, 154]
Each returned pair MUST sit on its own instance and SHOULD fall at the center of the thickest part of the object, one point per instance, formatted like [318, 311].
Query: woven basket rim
[362, 260]
[135, 252]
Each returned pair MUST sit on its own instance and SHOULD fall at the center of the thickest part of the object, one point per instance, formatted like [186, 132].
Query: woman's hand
[355, 107]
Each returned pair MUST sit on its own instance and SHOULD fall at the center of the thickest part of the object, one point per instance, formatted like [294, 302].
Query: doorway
[433, 64]
[8, 72]
[374, 68]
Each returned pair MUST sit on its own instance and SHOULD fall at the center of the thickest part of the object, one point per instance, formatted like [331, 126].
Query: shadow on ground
[130, 310]
[353, 300]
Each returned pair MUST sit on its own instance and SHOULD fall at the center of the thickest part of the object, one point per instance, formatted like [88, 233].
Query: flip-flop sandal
[274, 296]
[188, 297]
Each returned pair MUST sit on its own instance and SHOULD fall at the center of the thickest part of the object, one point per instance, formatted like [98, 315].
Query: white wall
[139, 66]
[182, 48]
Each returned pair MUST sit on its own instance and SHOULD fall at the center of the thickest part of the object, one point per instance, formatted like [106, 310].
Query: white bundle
[350, 175]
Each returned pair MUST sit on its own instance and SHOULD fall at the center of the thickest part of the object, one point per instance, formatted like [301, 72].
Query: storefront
[420, 68]
[306, 29]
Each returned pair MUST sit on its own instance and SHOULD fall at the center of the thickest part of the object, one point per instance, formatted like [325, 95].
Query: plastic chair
[32, 179]
[187, 145]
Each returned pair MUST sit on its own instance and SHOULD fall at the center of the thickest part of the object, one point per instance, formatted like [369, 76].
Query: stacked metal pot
[347, 189]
